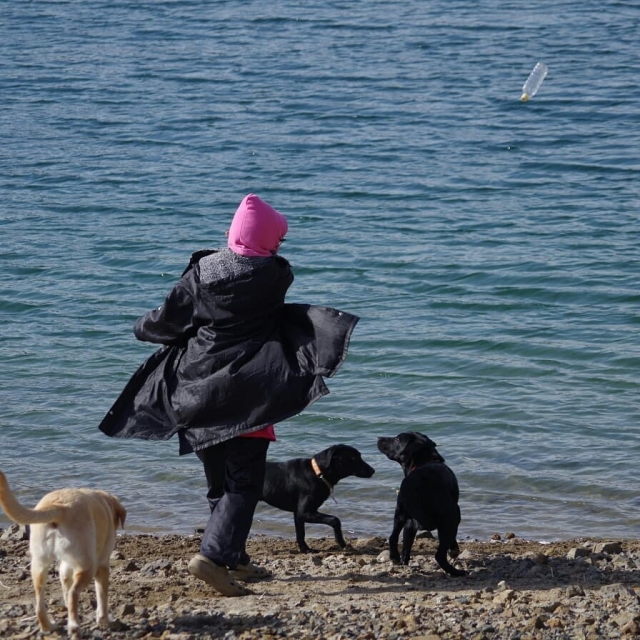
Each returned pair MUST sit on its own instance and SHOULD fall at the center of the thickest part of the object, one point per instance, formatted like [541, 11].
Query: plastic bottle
[531, 86]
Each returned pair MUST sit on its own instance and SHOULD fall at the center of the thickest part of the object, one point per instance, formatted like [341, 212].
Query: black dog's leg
[317, 518]
[331, 521]
[408, 536]
[447, 541]
[454, 549]
[399, 520]
[298, 521]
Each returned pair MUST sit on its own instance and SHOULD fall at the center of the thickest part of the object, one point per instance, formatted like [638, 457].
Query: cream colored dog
[77, 528]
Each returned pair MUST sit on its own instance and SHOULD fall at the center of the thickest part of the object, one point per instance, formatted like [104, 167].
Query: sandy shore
[578, 589]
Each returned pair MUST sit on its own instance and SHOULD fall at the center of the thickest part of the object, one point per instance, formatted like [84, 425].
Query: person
[235, 360]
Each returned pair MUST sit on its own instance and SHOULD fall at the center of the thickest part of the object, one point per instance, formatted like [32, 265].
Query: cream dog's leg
[66, 580]
[81, 579]
[39, 572]
[102, 595]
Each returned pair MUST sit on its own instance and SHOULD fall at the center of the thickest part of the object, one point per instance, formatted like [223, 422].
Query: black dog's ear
[422, 450]
[343, 452]
[325, 457]
[425, 439]
[413, 449]
[428, 441]
[339, 454]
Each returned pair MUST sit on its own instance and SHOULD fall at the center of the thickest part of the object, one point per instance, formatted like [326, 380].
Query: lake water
[490, 246]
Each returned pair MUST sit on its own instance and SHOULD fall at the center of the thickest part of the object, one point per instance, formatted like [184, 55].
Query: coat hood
[256, 229]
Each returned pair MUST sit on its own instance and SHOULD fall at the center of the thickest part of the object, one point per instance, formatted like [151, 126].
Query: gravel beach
[575, 589]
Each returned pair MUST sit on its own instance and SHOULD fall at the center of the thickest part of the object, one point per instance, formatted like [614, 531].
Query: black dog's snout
[365, 470]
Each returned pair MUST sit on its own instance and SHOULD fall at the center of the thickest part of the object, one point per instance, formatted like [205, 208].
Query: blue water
[490, 247]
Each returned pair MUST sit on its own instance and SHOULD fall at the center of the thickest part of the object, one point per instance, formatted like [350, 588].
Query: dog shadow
[492, 572]
[545, 573]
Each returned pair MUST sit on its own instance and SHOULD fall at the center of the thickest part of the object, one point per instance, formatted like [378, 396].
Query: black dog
[410, 450]
[303, 484]
[428, 497]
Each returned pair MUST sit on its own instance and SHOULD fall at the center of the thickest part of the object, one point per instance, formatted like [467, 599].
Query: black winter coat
[235, 358]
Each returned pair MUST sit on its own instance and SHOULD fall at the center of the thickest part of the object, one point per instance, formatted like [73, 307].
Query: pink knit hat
[256, 228]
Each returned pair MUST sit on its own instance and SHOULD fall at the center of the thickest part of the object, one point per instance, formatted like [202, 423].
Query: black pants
[235, 474]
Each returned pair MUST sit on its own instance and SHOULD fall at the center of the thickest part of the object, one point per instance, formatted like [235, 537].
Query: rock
[616, 592]
[157, 566]
[537, 623]
[505, 596]
[427, 535]
[555, 623]
[385, 556]
[550, 606]
[375, 542]
[608, 547]
[118, 625]
[16, 532]
[622, 562]
[623, 619]
[578, 552]
[539, 558]
[631, 628]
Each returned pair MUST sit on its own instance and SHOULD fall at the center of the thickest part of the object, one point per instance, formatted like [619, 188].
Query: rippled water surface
[489, 246]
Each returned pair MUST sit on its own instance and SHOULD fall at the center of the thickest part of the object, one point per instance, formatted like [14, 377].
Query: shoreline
[515, 590]
[286, 533]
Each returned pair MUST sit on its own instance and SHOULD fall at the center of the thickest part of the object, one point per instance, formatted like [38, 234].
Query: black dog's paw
[458, 573]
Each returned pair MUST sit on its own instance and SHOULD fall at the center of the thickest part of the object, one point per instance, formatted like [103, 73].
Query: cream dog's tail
[24, 515]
